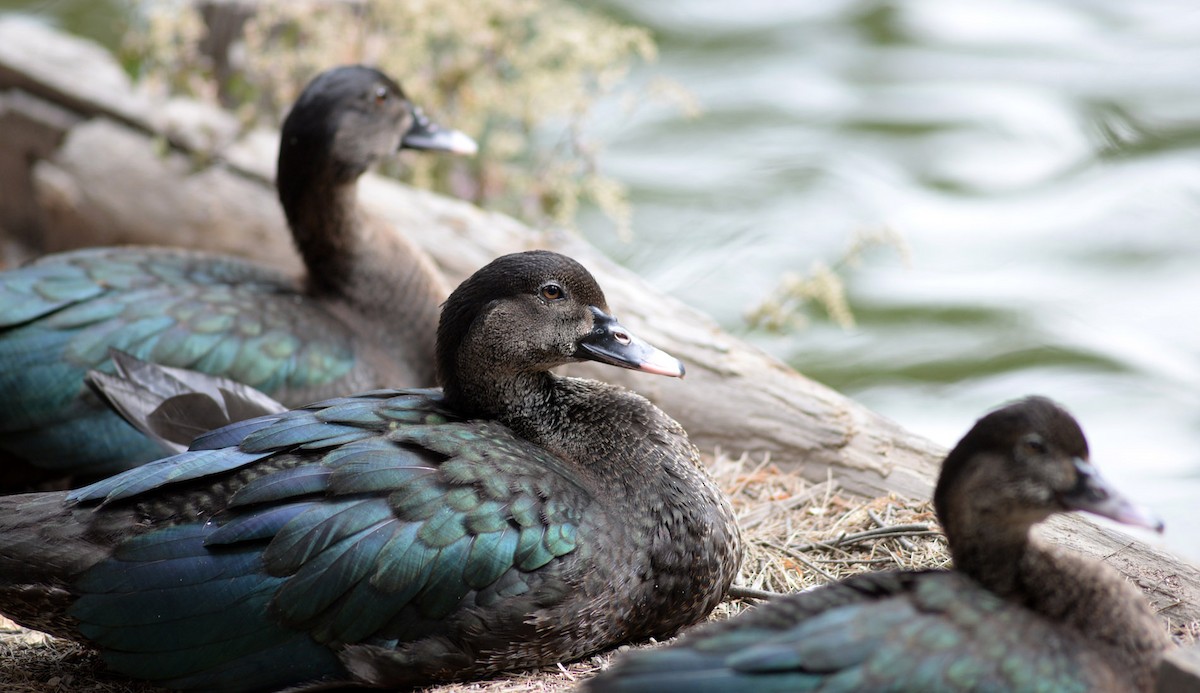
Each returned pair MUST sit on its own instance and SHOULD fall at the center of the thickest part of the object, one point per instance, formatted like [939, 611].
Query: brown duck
[397, 538]
[363, 316]
[1013, 615]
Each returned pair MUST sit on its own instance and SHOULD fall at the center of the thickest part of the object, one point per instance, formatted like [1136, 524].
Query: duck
[1014, 613]
[396, 538]
[363, 315]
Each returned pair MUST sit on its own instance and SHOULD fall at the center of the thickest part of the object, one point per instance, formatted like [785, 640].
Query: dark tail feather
[45, 543]
[173, 405]
[43, 538]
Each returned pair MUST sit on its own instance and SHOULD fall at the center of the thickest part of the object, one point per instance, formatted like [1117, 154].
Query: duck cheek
[545, 355]
[394, 141]
[1042, 498]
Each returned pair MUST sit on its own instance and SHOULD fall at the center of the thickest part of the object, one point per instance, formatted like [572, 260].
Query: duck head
[1020, 464]
[349, 117]
[526, 313]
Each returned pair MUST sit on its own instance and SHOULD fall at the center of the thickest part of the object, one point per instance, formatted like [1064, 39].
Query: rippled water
[1040, 159]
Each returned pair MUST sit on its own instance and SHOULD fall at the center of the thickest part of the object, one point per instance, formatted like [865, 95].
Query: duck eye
[552, 292]
[381, 94]
[1035, 445]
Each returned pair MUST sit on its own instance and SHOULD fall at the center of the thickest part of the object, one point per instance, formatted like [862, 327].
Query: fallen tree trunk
[98, 173]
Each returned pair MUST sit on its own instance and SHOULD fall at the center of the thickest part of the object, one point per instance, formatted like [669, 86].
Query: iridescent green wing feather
[60, 317]
[368, 519]
[932, 631]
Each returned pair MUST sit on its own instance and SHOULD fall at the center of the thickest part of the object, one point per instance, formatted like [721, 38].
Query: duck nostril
[622, 337]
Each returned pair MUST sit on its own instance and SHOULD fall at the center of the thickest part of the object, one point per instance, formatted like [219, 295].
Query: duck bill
[1095, 495]
[610, 343]
[426, 134]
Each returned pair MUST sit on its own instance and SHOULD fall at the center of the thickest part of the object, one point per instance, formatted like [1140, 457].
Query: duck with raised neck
[363, 315]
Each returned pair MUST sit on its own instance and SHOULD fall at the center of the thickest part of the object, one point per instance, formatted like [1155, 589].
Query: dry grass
[798, 534]
[32, 662]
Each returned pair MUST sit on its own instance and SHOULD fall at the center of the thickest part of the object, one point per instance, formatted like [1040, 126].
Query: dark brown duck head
[345, 120]
[348, 118]
[1017, 466]
[504, 328]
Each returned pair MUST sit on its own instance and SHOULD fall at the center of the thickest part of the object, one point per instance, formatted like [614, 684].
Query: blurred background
[931, 206]
[1040, 162]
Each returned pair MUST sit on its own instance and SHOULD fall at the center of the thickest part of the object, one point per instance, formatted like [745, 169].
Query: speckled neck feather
[385, 284]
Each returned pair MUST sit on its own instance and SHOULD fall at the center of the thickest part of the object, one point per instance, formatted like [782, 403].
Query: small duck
[363, 316]
[1013, 615]
[398, 538]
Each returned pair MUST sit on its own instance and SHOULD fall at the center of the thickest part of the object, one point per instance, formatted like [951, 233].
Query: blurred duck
[1013, 615]
[363, 316]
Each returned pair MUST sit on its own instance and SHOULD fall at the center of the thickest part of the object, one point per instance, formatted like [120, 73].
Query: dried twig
[743, 592]
[877, 533]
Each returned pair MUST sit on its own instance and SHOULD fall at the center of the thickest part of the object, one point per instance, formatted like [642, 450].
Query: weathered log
[1180, 673]
[112, 181]
[108, 185]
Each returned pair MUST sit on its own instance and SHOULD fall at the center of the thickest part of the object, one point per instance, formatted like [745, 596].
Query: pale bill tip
[660, 362]
[461, 143]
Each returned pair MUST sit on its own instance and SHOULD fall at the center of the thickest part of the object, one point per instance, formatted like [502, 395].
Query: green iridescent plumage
[362, 317]
[127, 302]
[397, 537]
[395, 527]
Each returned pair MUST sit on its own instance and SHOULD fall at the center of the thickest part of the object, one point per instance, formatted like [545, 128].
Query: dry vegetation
[521, 76]
[801, 297]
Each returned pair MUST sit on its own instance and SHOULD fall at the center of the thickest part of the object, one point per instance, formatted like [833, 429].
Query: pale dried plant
[521, 76]
[791, 304]
[166, 46]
